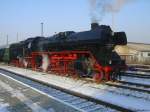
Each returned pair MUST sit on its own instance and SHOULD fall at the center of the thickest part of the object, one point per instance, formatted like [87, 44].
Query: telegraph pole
[42, 33]
[17, 37]
[7, 40]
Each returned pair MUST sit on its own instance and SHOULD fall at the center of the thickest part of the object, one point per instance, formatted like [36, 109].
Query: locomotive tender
[88, 53]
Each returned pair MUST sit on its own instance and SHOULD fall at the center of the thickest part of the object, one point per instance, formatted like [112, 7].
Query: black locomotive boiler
[88, 53]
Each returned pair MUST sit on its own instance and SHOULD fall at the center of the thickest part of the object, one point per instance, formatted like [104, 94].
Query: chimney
[94, 26]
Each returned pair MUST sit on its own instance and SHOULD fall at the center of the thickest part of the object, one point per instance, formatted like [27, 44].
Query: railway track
[131, 86]
[138, 91]
[126, 85]
[135, 84]
[76, 100]
[137, 75]
[145, 88]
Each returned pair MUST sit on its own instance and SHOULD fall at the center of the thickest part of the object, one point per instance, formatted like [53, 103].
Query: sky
[25, 16]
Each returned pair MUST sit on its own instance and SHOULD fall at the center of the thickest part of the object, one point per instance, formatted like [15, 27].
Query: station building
[134, 53]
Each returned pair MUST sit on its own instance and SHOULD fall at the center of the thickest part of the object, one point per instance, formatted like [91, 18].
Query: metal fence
[133, 59]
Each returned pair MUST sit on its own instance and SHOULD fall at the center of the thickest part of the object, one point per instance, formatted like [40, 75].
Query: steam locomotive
[83, 54]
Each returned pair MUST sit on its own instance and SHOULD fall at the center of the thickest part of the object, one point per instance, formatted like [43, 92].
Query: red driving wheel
[98, 77]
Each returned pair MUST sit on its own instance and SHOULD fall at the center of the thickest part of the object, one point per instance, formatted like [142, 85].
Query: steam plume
[25, 63]
[100, 7]
[45, 62]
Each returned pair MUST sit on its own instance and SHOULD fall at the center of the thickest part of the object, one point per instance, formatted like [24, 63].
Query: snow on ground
[87, 89]
[125, 92]
[138, 72]
[3, 106]
[18, 94]
[136, 80]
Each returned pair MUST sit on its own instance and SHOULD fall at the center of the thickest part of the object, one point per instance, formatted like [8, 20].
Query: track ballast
[77, 100]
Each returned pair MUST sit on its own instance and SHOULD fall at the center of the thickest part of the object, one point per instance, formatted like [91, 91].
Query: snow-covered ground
[3, 106]
[136, 80]
[19, 95]
[16, 96]
[114, 95]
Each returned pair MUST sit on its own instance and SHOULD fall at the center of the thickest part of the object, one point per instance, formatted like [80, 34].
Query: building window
[141, 54]
[148, 54]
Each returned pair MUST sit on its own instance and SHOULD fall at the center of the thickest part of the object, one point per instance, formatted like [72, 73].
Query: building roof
[139, 46]
[4, 46]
